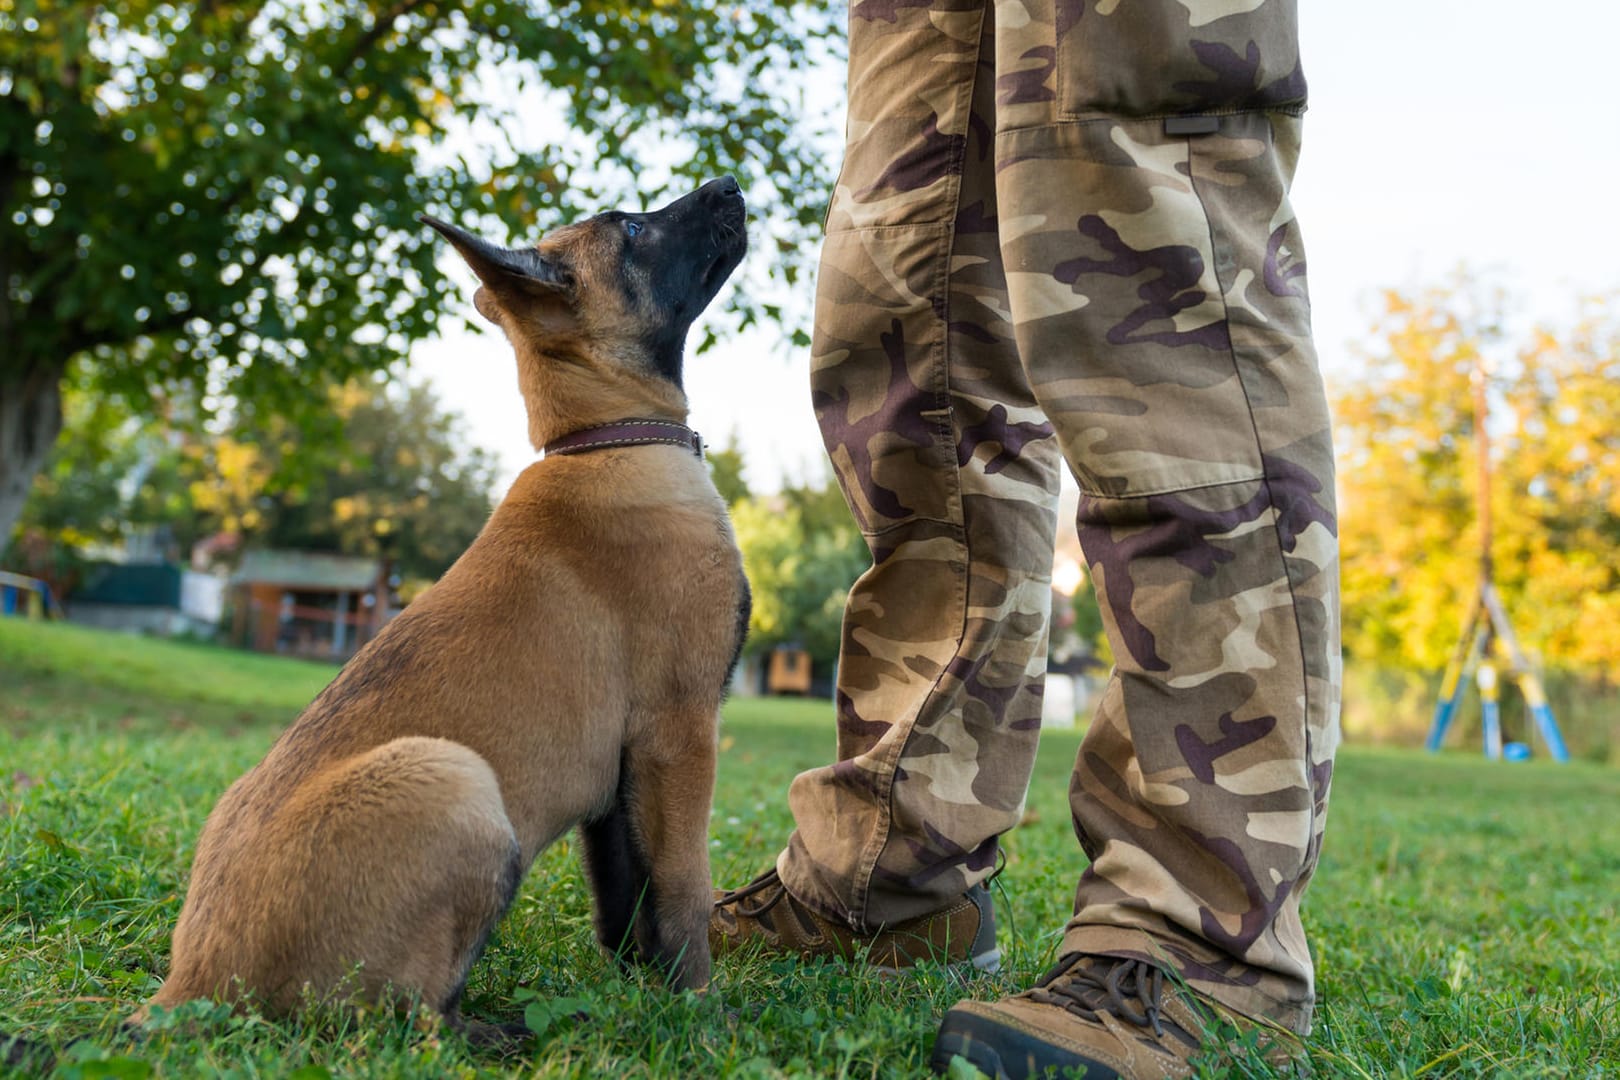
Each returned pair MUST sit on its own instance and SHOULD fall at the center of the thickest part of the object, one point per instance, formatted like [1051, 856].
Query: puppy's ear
[512, 275]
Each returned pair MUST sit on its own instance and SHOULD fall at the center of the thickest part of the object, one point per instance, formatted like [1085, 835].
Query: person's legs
[1201, 788]
[950, 471]
[1157, 285]
[1207, 518]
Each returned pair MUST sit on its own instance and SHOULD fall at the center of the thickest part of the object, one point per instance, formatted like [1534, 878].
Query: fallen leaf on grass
[50, 840]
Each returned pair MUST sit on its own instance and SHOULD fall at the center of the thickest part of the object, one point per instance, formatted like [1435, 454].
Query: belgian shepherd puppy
[566, 671]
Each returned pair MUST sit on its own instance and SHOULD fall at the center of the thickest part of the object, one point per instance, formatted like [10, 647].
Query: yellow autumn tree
[1561, 547]
[230, 478]
[1408, 478]
[395, 477]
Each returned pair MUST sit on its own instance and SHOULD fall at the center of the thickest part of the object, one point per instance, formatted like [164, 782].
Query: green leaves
[113, 1068]
[541, 1013]
[310, 1072]
[221, 195]
[378, 471]
[802, 552]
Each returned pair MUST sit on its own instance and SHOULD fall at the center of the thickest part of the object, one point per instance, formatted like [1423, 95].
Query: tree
[112, 469]
[1086, 621]
[802, 552]
[219, 195]
[1563, 470]
[1406, 439]
[726, 469]
[409, 489]
[98, 479]
[401, 483]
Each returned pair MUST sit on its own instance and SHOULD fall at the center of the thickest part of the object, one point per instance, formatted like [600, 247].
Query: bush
[1396, 707]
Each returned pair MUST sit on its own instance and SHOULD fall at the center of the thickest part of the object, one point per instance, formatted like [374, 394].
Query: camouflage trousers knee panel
[1062, 238]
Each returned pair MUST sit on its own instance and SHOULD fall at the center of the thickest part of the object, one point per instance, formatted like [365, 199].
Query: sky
[1441, 134]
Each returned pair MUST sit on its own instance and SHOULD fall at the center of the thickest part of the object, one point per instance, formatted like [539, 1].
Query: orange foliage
[1408, 480]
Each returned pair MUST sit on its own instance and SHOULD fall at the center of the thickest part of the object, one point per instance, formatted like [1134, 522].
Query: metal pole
[1490, 709]
[340, 626]
[1469, 650]
[1482, 441]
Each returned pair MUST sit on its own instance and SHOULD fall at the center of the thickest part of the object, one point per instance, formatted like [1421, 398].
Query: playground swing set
[28, 597]
[1488, 639]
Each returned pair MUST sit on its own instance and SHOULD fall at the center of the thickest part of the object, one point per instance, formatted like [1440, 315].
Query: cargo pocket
[1158, 57]
[1118, 309]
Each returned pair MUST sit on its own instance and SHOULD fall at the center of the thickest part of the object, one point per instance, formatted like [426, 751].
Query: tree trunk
[30, 420]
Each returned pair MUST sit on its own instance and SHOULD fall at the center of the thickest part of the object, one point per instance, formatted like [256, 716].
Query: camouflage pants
[1062, 230]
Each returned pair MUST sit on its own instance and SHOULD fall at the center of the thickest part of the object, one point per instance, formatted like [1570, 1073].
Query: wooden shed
[305, 603]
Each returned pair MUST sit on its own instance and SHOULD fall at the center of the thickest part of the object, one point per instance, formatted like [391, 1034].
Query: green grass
[1464, 918]
[63, 657]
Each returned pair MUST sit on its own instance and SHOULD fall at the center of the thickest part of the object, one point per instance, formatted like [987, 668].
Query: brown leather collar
[626, 433]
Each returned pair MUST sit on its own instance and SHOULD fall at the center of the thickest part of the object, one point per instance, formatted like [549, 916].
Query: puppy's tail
[22, 1056]
[29, 1057]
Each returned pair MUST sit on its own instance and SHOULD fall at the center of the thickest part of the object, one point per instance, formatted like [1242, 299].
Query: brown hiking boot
[962, 934]
[1105, 1015]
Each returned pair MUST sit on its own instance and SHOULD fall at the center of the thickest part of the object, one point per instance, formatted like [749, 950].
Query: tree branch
[378, 31]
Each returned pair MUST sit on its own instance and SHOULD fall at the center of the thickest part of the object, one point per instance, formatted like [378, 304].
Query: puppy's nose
[726, 186]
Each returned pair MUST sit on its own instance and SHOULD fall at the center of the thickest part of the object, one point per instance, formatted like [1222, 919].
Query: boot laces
[769, 878]
[1131, 990]
[755, 888]
[1001, 864]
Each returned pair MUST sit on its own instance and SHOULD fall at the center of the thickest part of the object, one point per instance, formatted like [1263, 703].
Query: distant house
[151, 597]
[307, 603]
[788, 671]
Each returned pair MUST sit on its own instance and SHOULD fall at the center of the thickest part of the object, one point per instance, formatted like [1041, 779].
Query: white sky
[1442, 133]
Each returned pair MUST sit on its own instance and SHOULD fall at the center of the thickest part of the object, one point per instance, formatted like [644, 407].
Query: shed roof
[312, 570]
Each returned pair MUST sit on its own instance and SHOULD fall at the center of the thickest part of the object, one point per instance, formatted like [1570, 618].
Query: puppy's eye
[631, 228]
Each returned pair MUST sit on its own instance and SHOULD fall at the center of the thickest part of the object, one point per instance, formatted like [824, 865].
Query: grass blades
[1464, 918]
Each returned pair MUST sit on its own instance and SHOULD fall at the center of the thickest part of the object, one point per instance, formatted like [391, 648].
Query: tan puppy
[567, 670]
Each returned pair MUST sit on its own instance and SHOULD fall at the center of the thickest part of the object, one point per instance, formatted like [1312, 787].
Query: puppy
[566, 671]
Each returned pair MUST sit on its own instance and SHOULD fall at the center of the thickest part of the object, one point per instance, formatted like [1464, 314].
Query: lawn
[1464, 919]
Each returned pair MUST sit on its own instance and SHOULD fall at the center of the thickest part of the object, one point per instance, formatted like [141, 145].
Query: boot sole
[985, 963]
[1004, 1053]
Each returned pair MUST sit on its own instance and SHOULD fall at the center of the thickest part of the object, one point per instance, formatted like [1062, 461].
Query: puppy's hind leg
[668, 796]
[426, 831]
[481, 909]
[620, 879]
